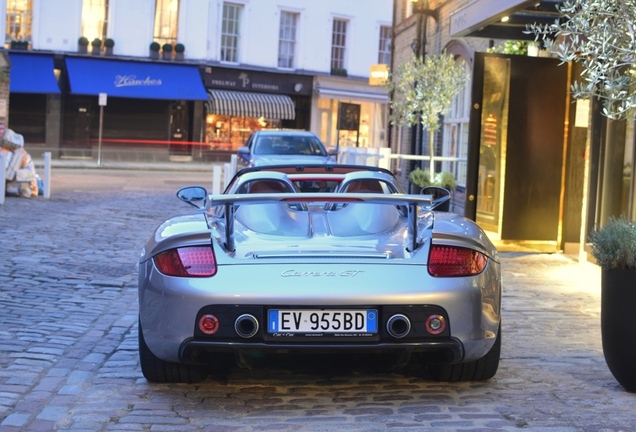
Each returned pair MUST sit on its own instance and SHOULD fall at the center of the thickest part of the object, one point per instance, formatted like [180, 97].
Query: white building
[219, 70]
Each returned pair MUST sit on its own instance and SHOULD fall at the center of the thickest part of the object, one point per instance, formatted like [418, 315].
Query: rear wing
[411, 205]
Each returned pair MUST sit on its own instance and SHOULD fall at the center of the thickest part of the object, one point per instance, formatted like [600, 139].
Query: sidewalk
[148, 166]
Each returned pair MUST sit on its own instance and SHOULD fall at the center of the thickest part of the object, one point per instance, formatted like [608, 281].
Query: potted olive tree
[599, 35]
[614, 247]
[423, 89]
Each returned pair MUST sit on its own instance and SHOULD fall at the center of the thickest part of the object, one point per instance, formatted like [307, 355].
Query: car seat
[364, 186]
[268, 186]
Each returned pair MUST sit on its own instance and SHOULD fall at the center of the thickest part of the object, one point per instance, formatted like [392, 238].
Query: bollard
[233, 165]
[47, 175]
[216, 180]
[3, 173]
[228, 173]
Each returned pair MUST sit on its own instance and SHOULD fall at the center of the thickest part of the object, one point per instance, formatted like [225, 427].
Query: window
[384, 52]
[230, 30]
[94, 19]
[287, 39]
[19, 18]
[166, 21]
[338, 44]
[456, 135]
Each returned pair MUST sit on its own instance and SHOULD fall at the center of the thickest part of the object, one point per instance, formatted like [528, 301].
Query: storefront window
[19, 16]
[629, 178]
[94, 19]
[367, 131]
[229, 133]
[618, 197]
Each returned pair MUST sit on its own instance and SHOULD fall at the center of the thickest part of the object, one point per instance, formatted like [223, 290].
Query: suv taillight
[455, 261]
[195, 261]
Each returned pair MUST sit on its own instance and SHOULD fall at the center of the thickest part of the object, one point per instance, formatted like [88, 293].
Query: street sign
[103, 99]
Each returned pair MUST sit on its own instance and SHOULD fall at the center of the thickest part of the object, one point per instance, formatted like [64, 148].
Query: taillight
[196, 261]
[455, 261]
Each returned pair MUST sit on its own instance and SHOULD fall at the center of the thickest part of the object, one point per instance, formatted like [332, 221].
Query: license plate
[322, 321]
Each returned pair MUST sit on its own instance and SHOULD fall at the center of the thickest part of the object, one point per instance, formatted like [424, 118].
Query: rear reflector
[197, 261]
[455, 261]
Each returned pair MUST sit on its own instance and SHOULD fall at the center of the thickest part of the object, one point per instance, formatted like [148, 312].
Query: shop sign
[378, 75]
[241, 80]
[480, 13]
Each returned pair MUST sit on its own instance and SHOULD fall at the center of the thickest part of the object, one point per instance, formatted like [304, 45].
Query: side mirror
[441, 197]
[244, 151]
[191, 194]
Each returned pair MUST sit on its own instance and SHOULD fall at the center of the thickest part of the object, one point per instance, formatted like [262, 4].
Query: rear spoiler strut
[411, 202]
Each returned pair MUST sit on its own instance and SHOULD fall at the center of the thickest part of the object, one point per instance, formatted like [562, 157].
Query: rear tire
[476, 370]
[156, 370]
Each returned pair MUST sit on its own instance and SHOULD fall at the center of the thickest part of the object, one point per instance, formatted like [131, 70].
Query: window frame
[22, 30]
[287, 39]
[95, 11]
[384, 48]
[339, 43]
[166, 17]
[229, 50]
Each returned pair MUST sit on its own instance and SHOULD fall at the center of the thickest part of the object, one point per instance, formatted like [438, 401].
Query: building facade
[189, 80]
[533, 165]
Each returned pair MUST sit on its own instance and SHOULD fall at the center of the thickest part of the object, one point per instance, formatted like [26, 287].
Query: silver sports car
[318, 259]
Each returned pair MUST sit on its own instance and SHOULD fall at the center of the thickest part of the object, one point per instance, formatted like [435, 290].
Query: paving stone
[68, 339]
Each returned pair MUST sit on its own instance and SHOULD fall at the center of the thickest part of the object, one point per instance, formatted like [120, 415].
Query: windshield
[289, 145]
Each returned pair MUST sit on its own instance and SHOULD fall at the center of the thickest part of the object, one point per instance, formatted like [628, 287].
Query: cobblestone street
[68, 338]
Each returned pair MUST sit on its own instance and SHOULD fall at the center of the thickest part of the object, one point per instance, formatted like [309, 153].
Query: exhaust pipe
[398, 326]
[246, 326]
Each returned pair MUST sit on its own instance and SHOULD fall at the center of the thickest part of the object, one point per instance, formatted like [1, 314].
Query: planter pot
[618, 326]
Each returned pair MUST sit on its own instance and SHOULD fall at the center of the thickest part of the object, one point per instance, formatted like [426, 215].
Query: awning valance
[32, 73]
[134, 79]
[352, 95]
[246, 104]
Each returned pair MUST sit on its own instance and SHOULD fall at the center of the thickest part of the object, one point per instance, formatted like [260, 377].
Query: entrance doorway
[180, 148]
[518, 144]
[77, 144]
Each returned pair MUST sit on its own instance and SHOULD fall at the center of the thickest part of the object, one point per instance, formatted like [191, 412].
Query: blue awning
[32, 73]
[133, 79]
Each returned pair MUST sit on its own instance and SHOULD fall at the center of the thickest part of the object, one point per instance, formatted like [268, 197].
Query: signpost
[103, 97]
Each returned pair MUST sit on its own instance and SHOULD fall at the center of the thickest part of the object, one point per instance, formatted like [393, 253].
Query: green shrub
[614, 245]
[422, 178]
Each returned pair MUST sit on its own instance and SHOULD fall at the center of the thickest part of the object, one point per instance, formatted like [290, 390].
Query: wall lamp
[421, 7]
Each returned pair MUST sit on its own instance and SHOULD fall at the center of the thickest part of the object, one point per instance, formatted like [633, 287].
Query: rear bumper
[201, 352]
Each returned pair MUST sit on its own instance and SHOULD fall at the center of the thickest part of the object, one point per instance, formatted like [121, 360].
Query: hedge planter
[618, 326]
